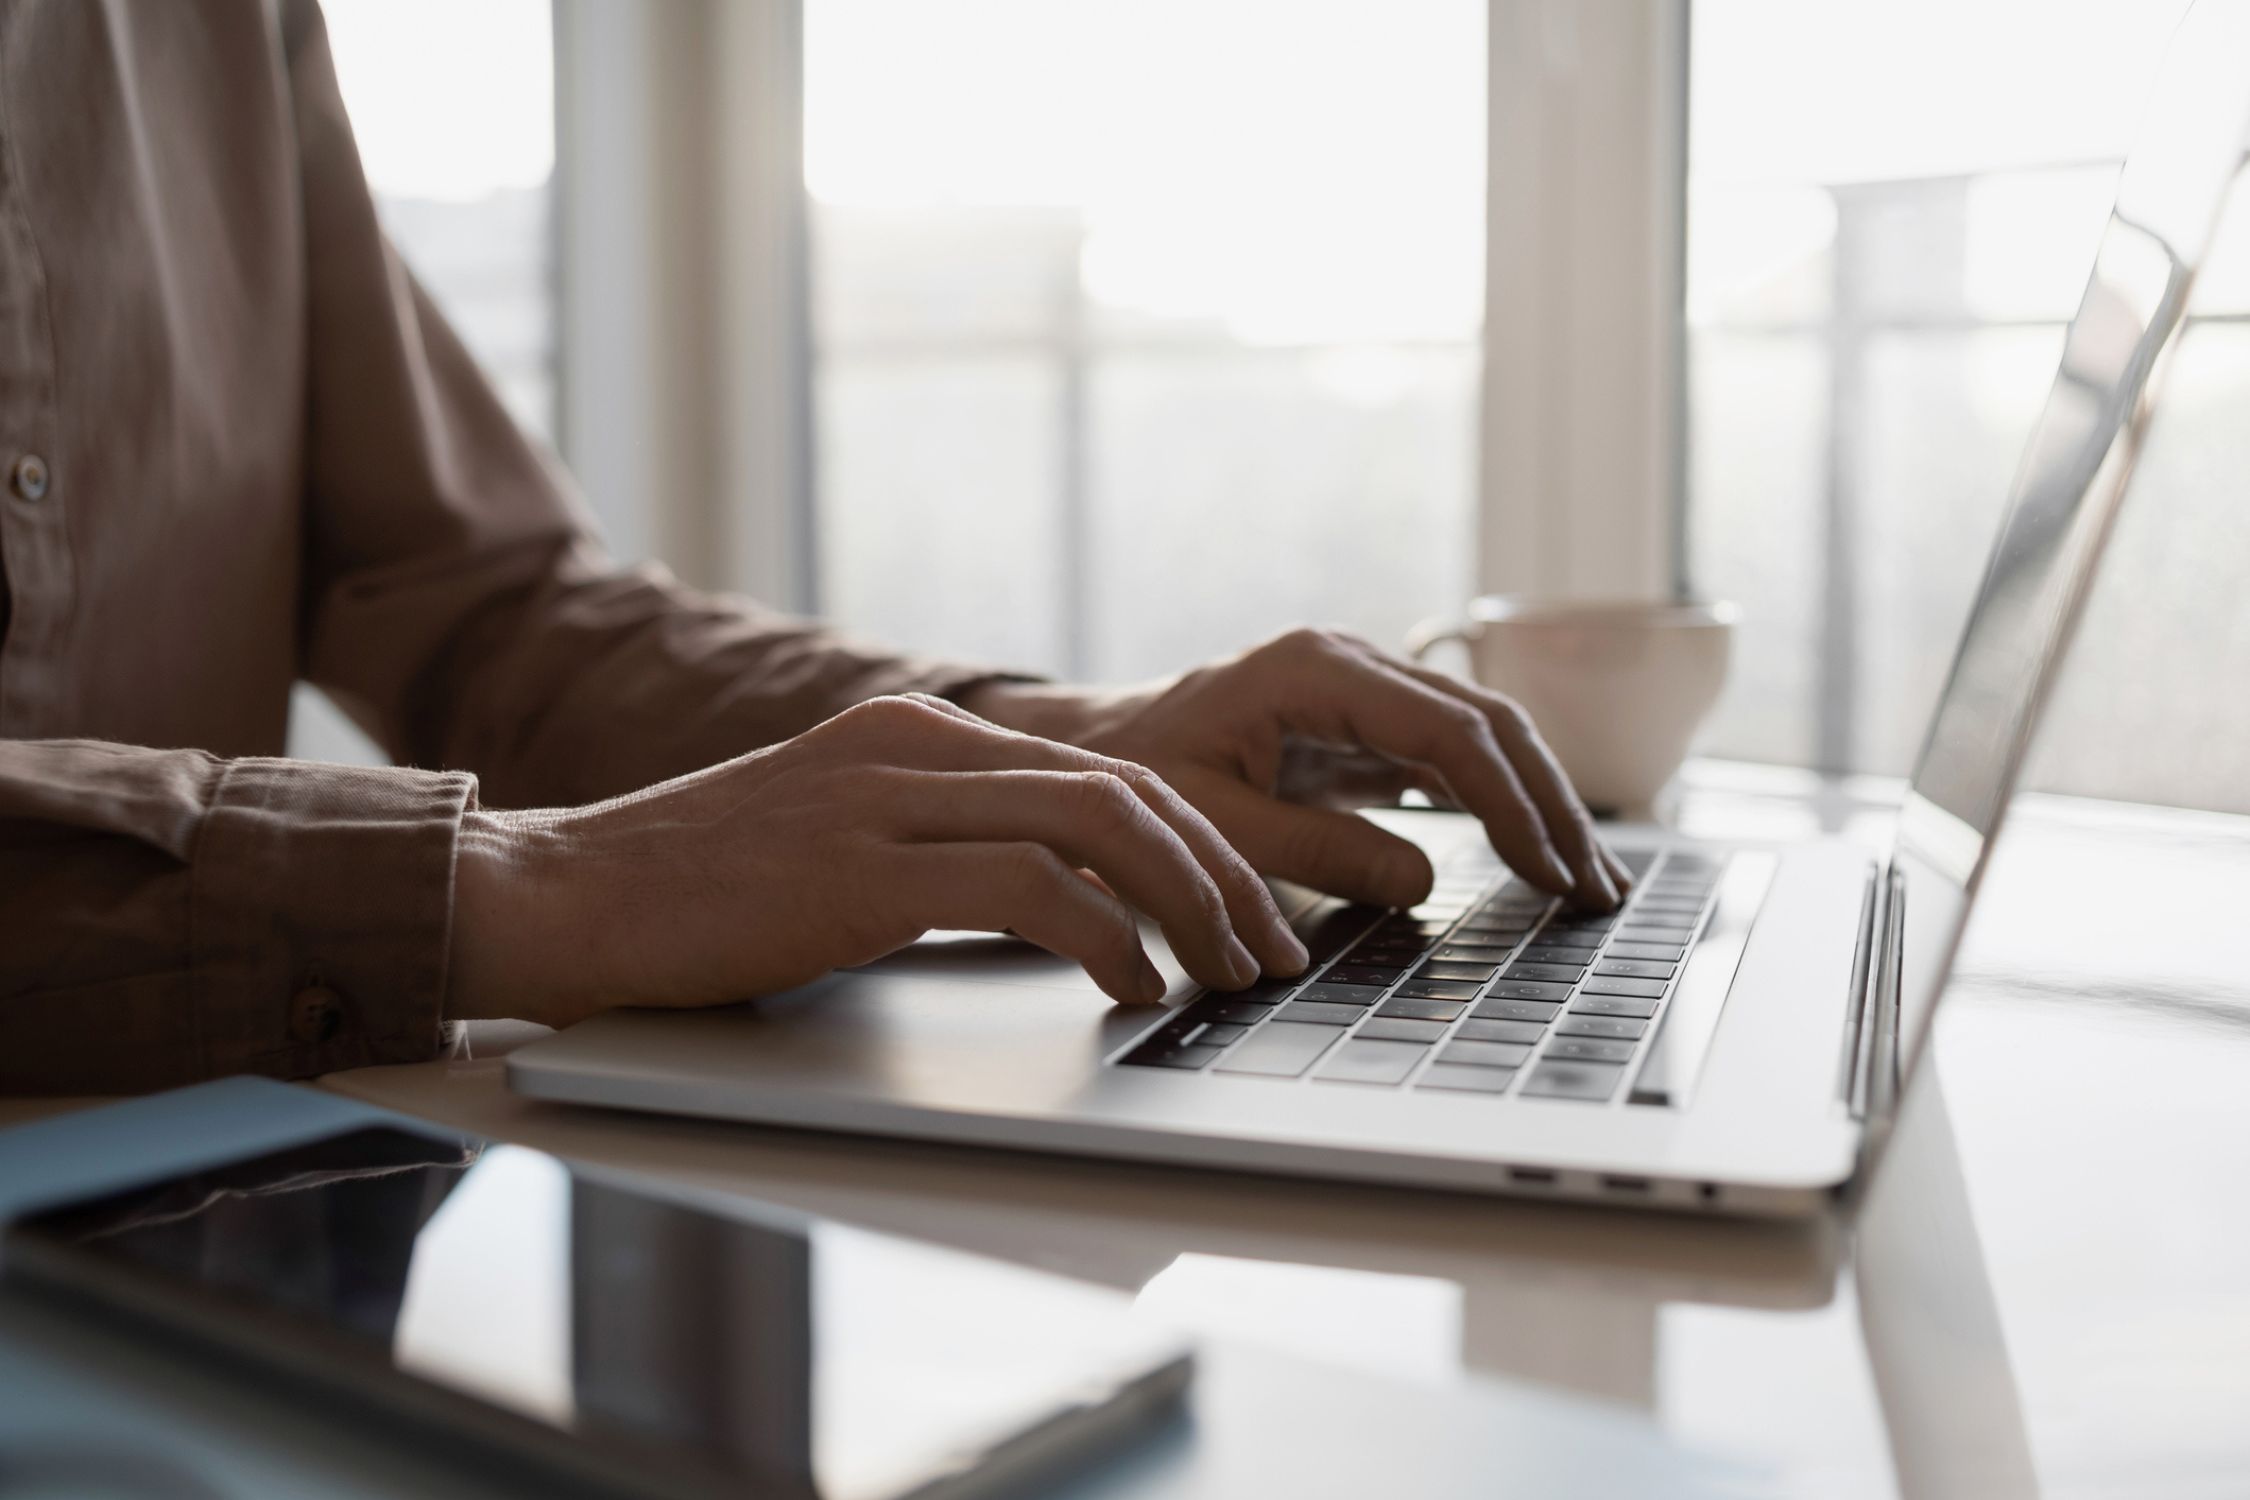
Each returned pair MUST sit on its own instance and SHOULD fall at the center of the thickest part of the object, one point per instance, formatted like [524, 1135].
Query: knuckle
[1106, 803]
[1034, 870]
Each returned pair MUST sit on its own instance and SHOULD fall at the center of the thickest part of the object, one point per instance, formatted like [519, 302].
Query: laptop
[1733, 1040]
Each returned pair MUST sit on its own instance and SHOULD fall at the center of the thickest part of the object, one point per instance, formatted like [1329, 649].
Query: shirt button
[316, 1014]
[30, 477]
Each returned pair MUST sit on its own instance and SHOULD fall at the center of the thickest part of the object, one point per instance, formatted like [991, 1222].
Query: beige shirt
[240, 447]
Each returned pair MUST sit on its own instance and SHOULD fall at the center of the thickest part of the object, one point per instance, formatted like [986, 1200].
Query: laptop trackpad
[991, 958]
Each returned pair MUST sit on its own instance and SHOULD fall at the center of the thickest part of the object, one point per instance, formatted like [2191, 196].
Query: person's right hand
[894, 818]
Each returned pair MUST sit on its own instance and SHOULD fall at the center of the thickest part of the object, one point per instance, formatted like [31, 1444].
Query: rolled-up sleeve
[171, 916]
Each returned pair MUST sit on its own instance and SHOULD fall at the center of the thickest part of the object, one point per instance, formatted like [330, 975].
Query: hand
[841, 845]
[1272, 744]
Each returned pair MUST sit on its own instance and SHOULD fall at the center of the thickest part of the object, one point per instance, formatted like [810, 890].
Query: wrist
[1052, 711]
[512, 943]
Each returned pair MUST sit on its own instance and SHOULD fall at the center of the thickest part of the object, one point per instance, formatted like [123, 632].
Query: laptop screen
[2067, 489]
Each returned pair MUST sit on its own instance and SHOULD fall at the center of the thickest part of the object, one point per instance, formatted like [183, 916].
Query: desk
[2047, 1292]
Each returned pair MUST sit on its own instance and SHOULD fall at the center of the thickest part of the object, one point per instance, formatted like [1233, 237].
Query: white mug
[1617, 689]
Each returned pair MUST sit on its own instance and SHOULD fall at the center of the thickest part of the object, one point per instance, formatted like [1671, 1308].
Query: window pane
[1241, 240]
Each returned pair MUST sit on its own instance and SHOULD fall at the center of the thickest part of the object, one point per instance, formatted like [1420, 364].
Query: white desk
[2048, 1293]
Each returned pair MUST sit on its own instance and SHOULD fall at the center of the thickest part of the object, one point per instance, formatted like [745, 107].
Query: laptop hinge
[1851, 1064]
[1873, 1077]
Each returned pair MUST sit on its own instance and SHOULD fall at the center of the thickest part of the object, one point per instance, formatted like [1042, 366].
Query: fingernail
[1295, 956]
[1240, 962]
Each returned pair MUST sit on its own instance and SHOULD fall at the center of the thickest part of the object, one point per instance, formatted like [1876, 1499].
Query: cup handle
[1431, 634]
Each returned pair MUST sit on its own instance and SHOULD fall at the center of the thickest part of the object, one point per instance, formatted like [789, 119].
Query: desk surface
[2046, 1292]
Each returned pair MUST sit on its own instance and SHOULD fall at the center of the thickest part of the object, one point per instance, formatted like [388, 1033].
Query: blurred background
[1098, 337]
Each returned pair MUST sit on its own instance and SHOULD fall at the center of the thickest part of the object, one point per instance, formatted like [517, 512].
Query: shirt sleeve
[459, 608]
[169, 916]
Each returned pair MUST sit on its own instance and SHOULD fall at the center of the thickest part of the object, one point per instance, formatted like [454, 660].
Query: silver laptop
[1733, 1040]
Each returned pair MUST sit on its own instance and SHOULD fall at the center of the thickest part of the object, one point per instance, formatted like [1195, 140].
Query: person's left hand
[1272, 745]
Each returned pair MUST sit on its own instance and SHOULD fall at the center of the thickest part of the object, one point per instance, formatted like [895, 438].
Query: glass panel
[939, 527]
[1243, 242]
[1234, 496]
[1757, 447]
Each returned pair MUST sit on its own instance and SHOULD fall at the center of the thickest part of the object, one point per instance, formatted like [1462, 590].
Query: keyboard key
[1467, 973]
[1664, 908]
[1385, 955]
[1566, 1080]
[1633, 968]
[1639, 989]
[1438, 911]
[1279, 1049]
[1516, 1010]
[1529, 989]
[1496, 928]
[1315, 1013]
[1485, 1054]
[1240, 1012]
[1571, 938]
[1436, 989]
[1661, 952]
[1562, 957]
[1613, 1005]
[1656, 932]
[1473, 953]
[1360, 1061]
[1406, 927]
[1187, 1058]
[1466, 1080]
[1590, 1049]
[1223, 1034]
[1565, 974]
[1389, 1029]
[1364, 974]
[1264, 992]
[1579, 921]
[1638, 860]
[1422, 1010]
[1500, 1031]
[1342, 994]
[1617, 1028]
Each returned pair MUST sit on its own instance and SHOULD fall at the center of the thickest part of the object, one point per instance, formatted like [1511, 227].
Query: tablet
[627, 1339]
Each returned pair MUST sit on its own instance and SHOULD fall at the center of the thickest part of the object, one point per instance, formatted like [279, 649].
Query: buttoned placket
[34, 537]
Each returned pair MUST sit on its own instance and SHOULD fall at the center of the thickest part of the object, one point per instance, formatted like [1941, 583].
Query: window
[1143, 328]
[1876, 298]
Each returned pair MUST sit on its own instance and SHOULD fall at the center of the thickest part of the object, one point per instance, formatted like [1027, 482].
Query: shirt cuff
[320, 916]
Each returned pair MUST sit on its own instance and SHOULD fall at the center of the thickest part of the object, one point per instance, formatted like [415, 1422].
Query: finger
[1340, 853]
[1334, 692]
[1029, 890]
[1569, 824]
[1096, 822]
[1617, 871]
[964, 742]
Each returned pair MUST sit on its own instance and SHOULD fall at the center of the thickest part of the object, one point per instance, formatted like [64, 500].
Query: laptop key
[1529, 989]
[1565, 974]
[1466, 1080]
[1638, 989]
[1436, 989]
[1498, 1031]
[1508, 928]
[1485, 1054]
[1279, 1049]
[1567, 1080]
[1224, 1034]
[1590, 1049]
[1342, 994]
[1613, 1005]
[1656, 932]
[1422, 1010]
[1539, 953]
[1516, 1010]
[1364, 974]
[1571, 938]
[1474, 953]
[1360, 1061]
[1314, 1012]
[1623, 1028]
[1187, 1058]
[1400, 1029]
[1467, 973]
[1633, 968]
[1239, 1012]
[1660, 952]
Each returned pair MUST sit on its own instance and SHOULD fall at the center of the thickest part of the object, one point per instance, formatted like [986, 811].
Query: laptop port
[1626, 1184]
[1535, 1176]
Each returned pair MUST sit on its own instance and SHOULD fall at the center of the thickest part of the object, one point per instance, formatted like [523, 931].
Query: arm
[457, 605]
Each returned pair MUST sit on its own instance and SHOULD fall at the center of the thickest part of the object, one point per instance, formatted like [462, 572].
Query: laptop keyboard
[1490, 987]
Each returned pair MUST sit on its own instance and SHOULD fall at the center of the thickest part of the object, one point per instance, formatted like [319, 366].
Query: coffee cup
[1617, 689]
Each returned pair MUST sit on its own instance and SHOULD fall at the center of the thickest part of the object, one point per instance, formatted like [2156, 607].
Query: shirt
[240, 447]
